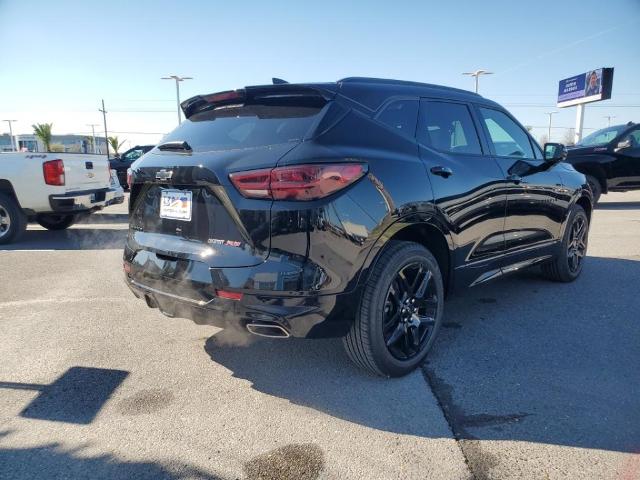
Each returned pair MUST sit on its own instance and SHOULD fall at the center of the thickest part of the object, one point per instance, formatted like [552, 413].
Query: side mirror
[554, 152]
[623, 144]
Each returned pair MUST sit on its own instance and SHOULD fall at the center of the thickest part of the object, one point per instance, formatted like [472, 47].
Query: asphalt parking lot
[528, 379]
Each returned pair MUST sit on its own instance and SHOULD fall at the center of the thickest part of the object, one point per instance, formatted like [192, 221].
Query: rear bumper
[85, 200]
[303, 315]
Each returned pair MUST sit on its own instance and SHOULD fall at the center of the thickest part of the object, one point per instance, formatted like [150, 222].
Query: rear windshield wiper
[177, 146]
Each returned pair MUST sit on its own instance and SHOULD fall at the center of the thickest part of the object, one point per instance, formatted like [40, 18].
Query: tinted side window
[634, 137]
[132, 155]
[448, 127]
[401, 115]
[509, 140]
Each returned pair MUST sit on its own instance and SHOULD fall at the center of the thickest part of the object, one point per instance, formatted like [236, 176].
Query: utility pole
[104, 117]
[609, 117]
[477, 75]
[13, 143]
[549, 133]
[93, 136]
[177, 79]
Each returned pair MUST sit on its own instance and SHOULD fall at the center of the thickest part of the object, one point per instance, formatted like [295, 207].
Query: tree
[569, 137]
[113, 142]
[43, 132]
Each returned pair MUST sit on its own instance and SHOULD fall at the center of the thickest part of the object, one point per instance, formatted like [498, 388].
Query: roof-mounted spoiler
[249, 94]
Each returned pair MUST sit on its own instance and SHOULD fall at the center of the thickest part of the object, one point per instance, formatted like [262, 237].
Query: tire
[374, 327]
[563, 268]
[53, 221]
[13, 221]
[596, 188]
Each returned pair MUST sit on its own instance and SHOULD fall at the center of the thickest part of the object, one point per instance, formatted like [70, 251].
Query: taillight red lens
[129, 177]
[53, 171]
[229, 295]
[297, 182]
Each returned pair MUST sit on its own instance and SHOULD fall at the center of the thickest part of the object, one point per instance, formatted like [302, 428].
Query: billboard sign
[592, 86]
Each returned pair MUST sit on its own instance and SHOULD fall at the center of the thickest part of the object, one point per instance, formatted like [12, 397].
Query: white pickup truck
[52, 189]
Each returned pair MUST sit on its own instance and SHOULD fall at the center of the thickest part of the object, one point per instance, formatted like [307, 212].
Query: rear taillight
[297, 182]
[53, 171]
[129, 177]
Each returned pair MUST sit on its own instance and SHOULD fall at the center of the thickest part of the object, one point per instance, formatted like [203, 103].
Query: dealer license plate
[176, 204]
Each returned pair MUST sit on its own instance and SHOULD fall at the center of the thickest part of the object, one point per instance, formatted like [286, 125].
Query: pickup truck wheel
[567, 266]
[54, 221]
[13, 222]
[400, 312]
[596, 188]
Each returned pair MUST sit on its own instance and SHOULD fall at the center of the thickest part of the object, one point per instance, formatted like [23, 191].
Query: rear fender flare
[394, 229]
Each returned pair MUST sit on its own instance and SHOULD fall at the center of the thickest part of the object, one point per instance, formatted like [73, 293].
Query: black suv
[346, 209]
[123, 162]
[610, 159]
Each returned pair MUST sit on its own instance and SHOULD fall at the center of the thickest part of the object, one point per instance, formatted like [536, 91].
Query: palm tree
[43, 132]
[113, 142]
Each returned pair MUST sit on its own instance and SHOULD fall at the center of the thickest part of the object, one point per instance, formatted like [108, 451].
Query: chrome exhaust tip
[270, 330]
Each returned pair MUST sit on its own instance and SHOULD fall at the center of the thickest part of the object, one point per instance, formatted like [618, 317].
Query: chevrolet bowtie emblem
[163, 174]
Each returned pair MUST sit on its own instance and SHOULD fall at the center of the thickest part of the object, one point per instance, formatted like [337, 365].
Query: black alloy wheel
[567, 265]
[400, 311]
[410, 310]
[577, 247]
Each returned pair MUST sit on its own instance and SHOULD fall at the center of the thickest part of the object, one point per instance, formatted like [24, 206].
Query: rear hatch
[85, 172]
[183, 204]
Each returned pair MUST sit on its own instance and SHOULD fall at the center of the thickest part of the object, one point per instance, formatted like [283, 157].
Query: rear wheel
[400, 312]
[596, 188]
[567, 266]
[13, 221]
[54, 221]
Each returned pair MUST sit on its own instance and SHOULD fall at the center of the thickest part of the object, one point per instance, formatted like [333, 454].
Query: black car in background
[610, 159]
[347, 209]
[123, 162]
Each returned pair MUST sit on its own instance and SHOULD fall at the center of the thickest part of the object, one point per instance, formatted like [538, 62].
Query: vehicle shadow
[104, 218]
[53, 460]
[520, 359]
[618, 206]
[78, 237]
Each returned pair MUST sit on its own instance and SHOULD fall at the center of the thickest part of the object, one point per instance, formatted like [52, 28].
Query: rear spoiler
[252, 94]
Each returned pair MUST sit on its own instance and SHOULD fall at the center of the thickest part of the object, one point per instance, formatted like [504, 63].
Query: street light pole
[477, 75]
[93, 136]
[177, 79]
[549, 133]
[13, 143]
[609, 117]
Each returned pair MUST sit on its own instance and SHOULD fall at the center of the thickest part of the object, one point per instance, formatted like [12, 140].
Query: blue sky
[59, 58]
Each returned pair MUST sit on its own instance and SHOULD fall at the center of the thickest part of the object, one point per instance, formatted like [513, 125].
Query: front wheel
[54, 221]
[400, 311]
[567, 265]
[596, 188]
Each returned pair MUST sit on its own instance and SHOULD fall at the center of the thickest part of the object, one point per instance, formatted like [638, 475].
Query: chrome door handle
[444, 172]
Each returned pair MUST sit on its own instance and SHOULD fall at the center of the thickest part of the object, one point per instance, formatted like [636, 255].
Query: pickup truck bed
[52, 189]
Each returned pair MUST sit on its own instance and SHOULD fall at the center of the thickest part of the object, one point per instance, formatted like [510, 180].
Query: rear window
[268, 122]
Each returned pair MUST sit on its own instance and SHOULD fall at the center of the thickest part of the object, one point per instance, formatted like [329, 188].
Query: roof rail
[389, 81]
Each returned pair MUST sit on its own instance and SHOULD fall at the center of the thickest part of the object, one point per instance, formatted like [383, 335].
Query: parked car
[347, 209]
[610, 159]
[51, 189]
[122, 162]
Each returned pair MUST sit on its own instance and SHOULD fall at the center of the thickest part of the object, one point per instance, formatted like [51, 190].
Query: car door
[534, 212]
[468, 185]
[625, 171]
